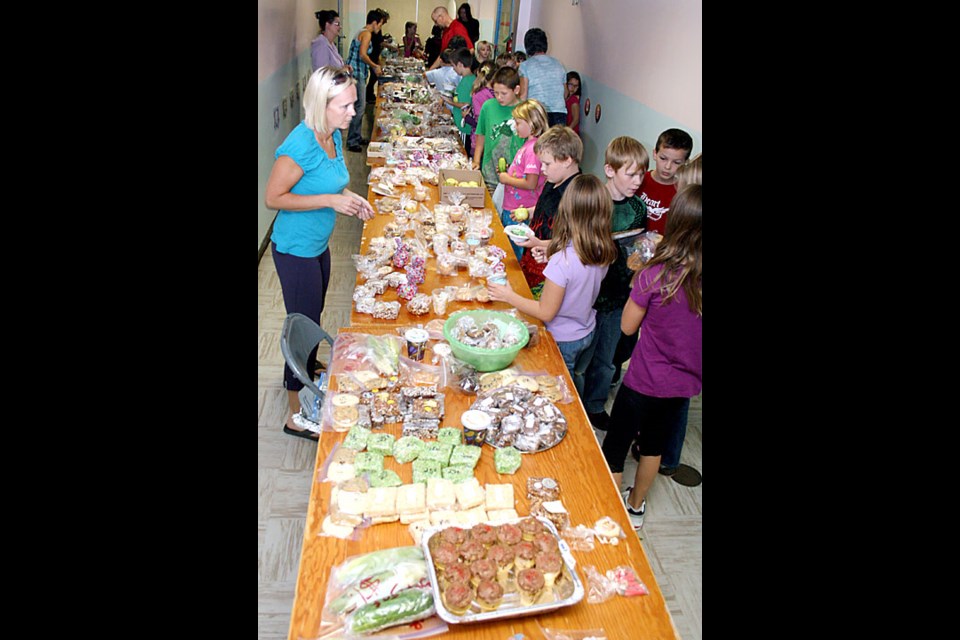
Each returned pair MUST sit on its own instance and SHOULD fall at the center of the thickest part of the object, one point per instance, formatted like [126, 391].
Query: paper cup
[475, 425]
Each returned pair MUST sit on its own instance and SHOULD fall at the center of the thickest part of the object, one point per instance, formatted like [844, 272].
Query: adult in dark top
[377, 41]
[432, 47]
[472, 24]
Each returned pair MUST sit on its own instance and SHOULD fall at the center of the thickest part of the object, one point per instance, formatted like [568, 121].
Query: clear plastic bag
[641, 249]
[600, 588]
[627, 581]
[573, 634]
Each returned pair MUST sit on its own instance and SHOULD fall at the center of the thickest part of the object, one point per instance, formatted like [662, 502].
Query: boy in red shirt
[672, 150]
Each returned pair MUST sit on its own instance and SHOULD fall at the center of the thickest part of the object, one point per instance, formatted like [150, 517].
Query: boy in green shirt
[462, 61]
[497, 137]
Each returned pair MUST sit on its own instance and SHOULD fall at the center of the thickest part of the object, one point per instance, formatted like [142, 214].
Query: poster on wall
[597, 117]
[276, 117]
[586, 107]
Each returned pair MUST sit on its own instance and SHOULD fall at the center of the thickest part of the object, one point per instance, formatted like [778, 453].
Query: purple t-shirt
[526, 161]
[576, 317]
[668, 359]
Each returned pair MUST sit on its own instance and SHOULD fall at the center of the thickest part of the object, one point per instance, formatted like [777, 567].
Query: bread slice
[499, 496]
[469, 494]
[442, 516]
[502, 515]
[381, 502]
[406, 517]
[412, 498]
[440, 494]
[471, 517]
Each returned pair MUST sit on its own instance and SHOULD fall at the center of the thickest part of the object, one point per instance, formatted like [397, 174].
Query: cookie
[551, 393]
[345, 400]
[528, 383]
[546, 381]
[490, 381]
[346, 416]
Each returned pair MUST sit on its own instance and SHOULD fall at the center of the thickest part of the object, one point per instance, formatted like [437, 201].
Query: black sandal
[304, 433]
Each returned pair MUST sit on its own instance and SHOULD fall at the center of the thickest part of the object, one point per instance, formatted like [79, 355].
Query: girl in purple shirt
[666, 367]
[577, 258]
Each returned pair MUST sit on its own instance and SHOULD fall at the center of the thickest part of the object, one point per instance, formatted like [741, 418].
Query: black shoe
[355, 148]
[600, 421]
[667, 471]
[364, 142]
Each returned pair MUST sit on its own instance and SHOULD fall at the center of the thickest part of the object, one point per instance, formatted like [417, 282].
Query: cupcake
[509, 534]
[551, 564]
[444, 556]
[489, 594]
[530, 527]
[525, 554]
[457, 597]
[503, 556]
[480, 570]
[530, 584]
[545, 541]
[457, 572]
[484, 534]
[472, 550]
[454, 535]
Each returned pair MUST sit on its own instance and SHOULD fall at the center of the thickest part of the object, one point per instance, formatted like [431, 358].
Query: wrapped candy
[419, 304]
[386, 310]
[407, 291]
[446, 265]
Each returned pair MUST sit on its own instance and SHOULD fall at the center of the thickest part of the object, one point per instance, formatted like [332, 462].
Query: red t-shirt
[658, 198]
[456, 28]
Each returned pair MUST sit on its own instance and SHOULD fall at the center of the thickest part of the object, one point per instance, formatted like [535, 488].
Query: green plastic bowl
[485, 359]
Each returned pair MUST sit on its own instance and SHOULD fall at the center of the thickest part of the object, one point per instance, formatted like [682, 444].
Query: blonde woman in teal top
[308, 187]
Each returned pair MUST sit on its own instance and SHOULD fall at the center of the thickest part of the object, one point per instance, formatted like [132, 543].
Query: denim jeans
[354, 139]
[674, 443]
[506, 220]
[599, 373]
[576, 355]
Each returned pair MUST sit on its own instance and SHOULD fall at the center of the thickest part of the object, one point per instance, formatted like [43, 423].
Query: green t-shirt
[500, 140]
[630, 213]
[463, 95]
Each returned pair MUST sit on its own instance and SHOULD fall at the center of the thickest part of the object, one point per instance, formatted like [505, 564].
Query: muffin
[551, 564]
[480, 570]
[545, 541]
[509, 534]
[444, 556]
[457, 572]
[530, 527]
[489, 595]
[525, 554]
[457, 597]
[484, 534]
[503, 556]
[454, 535]
[530, 584]
[472, 550]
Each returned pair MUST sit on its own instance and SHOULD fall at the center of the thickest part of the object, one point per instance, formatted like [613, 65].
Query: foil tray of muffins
[486, 572]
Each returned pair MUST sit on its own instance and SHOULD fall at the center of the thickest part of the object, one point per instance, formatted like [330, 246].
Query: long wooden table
[587, 492]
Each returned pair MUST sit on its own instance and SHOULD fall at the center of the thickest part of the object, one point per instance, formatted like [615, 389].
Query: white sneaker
[636, 517]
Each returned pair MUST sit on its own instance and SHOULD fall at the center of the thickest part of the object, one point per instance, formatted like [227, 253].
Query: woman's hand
[350, 204]
[500, 292]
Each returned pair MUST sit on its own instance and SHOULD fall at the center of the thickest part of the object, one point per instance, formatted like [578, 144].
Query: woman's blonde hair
[681, 250]
[324, 84]
[533, 112]
[585, 217]
[690, 173]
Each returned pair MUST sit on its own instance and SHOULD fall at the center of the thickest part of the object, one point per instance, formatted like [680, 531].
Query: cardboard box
[475, 196]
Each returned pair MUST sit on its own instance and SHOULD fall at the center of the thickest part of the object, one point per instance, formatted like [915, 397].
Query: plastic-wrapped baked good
[506, 460]
[386, 310]
[407, 449]
[366, 305]
[545, 488]
[419, 304]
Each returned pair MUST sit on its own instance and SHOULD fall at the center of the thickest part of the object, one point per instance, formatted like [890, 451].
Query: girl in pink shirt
[523, 180]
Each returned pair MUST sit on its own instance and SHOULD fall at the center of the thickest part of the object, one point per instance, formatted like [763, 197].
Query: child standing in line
[480, 93]
[578, 256]
[626, 161]
[523, 180]
[463, 62]
[659, 186]
[666, 368]
[672, 150]
[496, 136]
[560, 151]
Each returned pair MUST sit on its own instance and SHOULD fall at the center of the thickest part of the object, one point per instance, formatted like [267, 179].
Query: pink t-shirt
[481, 96]
[668, 359]
[526, 161]
[576, 317]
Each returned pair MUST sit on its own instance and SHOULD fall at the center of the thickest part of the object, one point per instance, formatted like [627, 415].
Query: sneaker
[599, 420]
[636, 517]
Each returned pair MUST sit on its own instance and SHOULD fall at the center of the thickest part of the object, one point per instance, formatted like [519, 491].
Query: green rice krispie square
[423, 469]
[506, 460]
[368, 461]
[465, 455]
[457, 473]
[357, 438]
[438, 452]
[381, 443]
[408, 449]
[450, 435]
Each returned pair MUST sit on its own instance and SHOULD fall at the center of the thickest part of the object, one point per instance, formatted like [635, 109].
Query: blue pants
[576, 355]
[304, 284]
[354, 139]
[674, 444]
[599, 373]
[505, 219]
